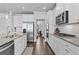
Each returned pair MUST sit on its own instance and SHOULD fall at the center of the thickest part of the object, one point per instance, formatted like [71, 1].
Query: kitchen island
[19, 42]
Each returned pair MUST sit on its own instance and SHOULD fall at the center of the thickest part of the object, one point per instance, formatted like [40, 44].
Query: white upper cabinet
[73, 9]
[73, 12]
[18, 20]
[5, 22]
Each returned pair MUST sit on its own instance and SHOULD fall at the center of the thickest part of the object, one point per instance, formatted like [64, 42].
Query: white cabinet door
[63, 50]
[67, 48]
[60, 47]
[56, 45]
[20, 45]
[53, 43]
[25, 41]
[72, 48]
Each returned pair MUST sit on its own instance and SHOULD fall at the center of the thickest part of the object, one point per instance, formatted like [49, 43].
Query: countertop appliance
[62, 18]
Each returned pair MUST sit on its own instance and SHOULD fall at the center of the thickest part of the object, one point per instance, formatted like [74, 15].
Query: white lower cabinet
[53, 44]
[19, 45]
[72, 48]
[61, 47]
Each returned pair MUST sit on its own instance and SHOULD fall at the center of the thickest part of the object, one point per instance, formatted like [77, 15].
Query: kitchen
[19, 25]
[65, 40]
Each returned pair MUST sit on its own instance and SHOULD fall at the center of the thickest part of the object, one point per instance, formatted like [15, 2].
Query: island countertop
[8, 39]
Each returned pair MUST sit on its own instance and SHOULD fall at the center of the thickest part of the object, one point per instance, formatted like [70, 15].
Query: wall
[20, 18]
[17, 20]
[39, 15]
[28, 17]
[5, 22]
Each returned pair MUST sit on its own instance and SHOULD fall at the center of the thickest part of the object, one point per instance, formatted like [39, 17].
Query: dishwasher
[7, 48]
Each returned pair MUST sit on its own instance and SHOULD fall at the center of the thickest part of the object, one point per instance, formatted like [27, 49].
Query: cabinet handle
[66, 45]
[66, 50]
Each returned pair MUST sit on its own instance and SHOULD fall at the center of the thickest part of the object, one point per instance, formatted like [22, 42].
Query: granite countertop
[69, 39]
[5, 40]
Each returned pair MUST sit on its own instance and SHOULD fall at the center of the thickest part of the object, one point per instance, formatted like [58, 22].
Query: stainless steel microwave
[62, 18]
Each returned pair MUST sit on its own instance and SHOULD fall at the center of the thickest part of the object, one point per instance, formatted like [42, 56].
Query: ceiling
[26, 7]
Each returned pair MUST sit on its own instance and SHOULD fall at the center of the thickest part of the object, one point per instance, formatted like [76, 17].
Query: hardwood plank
[42, 48]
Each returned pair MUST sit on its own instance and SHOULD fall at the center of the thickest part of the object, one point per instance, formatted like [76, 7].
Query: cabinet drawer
[20, 45]
[64, 48]
[69, 51]
[69, 48]
[72, 48]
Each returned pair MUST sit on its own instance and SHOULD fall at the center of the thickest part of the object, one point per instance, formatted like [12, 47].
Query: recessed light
[44, 8]
[6, 16]
[23, 7]
[58, 8]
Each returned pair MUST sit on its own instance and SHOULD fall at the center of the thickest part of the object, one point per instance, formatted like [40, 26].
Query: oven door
[7, 49]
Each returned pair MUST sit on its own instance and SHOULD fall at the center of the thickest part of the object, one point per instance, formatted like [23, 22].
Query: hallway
[41, 48]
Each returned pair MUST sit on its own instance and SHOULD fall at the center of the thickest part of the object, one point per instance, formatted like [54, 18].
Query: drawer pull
[66, 50]
[66, 45]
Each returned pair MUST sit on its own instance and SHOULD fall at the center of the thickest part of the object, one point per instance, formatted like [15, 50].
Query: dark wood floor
[42, 48]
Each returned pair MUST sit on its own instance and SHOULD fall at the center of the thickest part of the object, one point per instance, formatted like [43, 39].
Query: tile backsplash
[70, 29]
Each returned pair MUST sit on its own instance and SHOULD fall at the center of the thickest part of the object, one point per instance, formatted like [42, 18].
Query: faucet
[8, 30]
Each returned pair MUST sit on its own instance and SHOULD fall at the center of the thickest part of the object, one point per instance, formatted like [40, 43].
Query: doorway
[40, 26]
